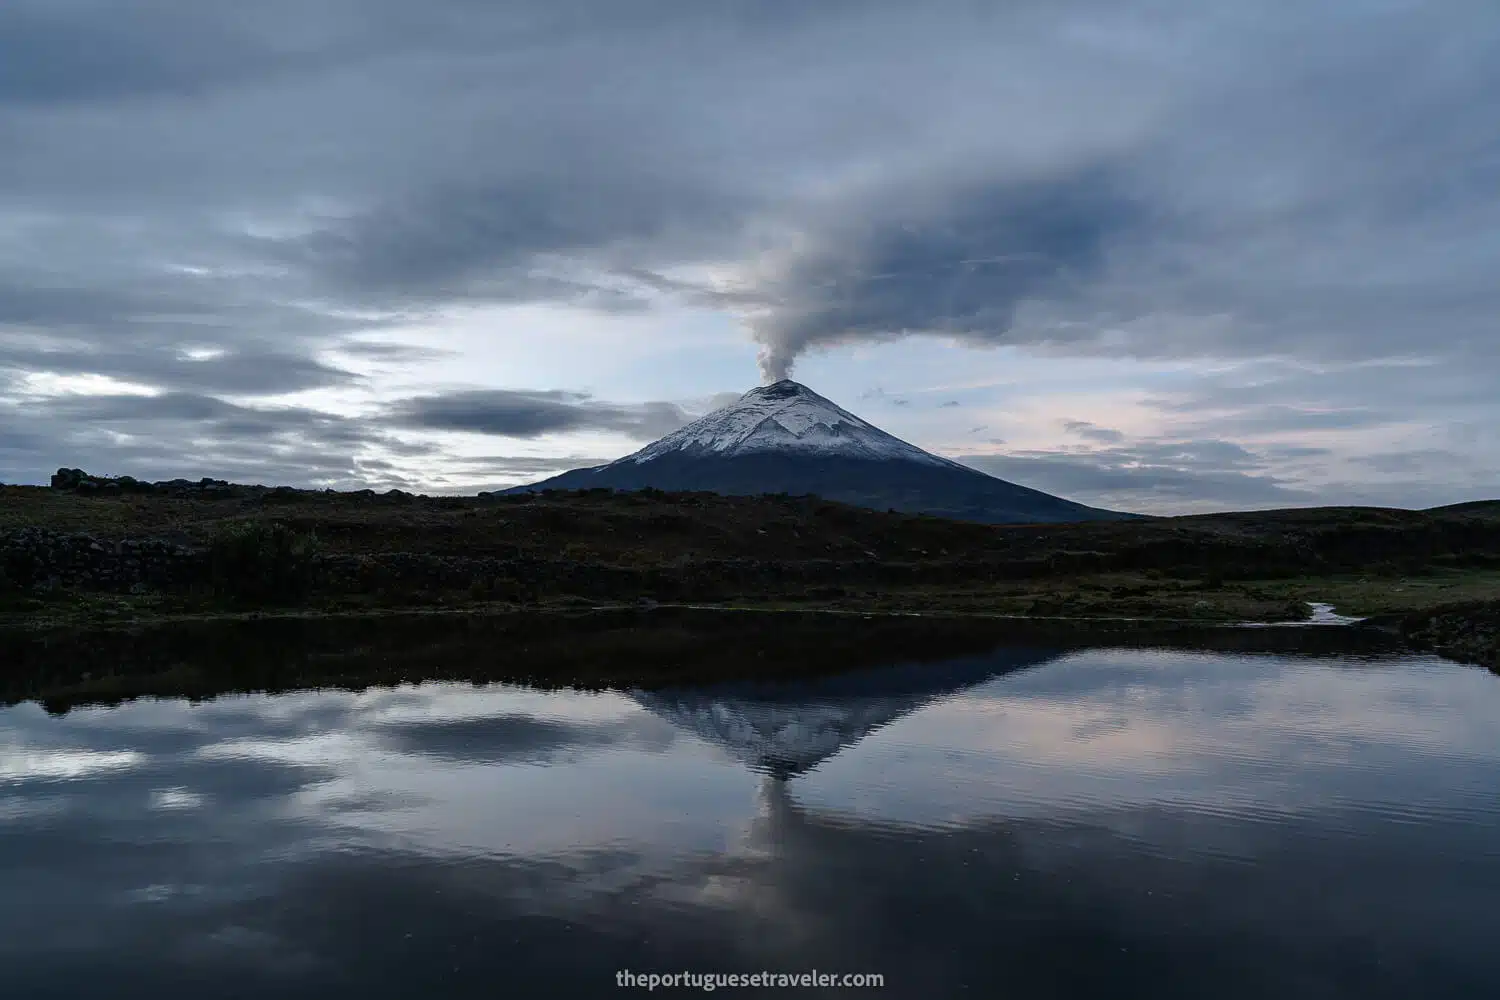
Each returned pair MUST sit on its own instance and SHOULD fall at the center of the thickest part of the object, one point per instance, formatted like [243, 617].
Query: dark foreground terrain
[91, 551]
[634, 648]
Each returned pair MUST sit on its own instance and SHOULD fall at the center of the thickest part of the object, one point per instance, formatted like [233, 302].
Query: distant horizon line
[459, 493]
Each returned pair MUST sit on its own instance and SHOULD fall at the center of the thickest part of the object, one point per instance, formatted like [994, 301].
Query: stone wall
[34, 558]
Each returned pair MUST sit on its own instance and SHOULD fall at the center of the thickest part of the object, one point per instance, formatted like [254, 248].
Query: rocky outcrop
[78, 481]
[1469, 633]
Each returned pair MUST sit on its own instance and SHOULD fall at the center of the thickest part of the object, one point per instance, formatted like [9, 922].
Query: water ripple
[1147, 816]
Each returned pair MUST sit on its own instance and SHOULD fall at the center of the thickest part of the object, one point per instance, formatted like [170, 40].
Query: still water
[1099, 823]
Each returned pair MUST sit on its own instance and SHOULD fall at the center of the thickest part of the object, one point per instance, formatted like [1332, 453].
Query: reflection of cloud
[1098, 727]
[1097, 735]
[1001, 829]
[15, 809]
[515, 739]
[233, 947]
[63, 764]
[175, 798]
[311, 750]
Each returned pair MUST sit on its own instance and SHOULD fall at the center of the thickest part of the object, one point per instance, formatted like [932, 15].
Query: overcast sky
[1161, 256]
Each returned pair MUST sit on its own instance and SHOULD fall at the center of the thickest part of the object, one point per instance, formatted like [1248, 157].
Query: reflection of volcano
[790, 727]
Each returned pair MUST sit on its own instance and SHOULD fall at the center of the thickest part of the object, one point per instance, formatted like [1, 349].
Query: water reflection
[1030, 823]
[790, 727]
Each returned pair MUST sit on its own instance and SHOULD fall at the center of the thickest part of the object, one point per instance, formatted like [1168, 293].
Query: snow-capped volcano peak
[784, 416]
[783, 438]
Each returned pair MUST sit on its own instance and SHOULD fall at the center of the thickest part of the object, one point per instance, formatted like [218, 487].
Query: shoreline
[621, 647]
[104, 558]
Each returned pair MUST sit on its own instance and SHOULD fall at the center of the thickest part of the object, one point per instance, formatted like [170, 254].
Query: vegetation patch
[91, 550]
[264, 562]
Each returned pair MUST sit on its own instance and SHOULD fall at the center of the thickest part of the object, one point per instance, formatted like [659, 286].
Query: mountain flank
[783, 438]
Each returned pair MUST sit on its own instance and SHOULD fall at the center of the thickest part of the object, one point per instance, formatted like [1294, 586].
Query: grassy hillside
[224, 547]
[660, 528]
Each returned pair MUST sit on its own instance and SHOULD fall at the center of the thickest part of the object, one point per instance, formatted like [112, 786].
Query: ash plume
[960, 271]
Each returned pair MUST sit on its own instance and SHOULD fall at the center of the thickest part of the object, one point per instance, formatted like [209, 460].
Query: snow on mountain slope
[791, 726]
[784, 416]
[785, 438]
[779, 737]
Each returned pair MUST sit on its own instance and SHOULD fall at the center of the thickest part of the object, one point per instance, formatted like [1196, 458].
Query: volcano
[785, 438]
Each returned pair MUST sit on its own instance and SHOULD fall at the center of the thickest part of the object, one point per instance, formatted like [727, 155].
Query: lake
[1031, 822]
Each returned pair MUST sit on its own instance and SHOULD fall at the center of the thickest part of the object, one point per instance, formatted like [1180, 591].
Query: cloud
[1409, 463]
[1153, 477]
[1093, 432]
[101, 52]
[518, 467]
[880, 395]
[519, 739]
[234, 372]
[216, 201]
[530, 414]
[964, 202]
[186, 435]
[140, 435]
[547, 236]
[1311, 229]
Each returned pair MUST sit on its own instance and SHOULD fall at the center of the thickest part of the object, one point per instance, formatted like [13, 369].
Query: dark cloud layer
[192, 435]
[1093, 432]
[529, 414]
[515, 739]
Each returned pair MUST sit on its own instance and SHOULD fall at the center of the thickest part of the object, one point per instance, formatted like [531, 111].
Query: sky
[1159, 256]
